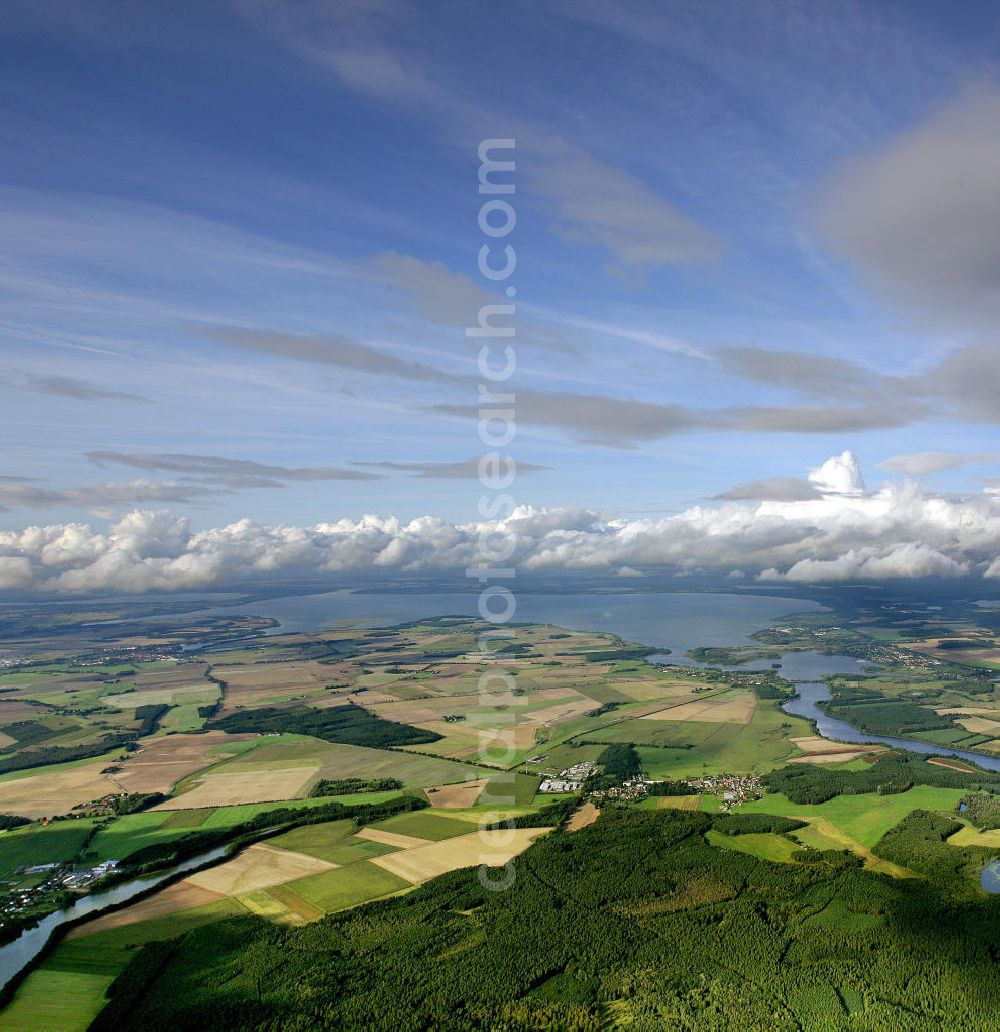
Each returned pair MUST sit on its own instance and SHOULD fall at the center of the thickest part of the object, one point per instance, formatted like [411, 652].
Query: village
[731, 789]
[60, 878]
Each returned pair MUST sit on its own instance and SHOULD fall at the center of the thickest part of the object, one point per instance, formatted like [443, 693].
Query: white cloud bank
[900, 531]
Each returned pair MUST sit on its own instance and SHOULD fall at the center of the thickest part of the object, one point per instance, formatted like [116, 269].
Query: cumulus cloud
[900, 531]
[840, 474]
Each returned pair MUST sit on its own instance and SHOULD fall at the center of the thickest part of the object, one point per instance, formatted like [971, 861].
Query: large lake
[674, 620]
[666, 620]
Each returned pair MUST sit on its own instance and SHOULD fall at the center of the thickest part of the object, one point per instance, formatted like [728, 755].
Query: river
[810, 694]
[17, 955]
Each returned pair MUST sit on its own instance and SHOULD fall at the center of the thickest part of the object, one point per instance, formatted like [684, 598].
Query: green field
[764, 847]
[424, 824]
[348, 886]
[352, 761]
[865, 818]
[519, 790]
[33, 845]
[66, 991]
[57, 999]
[332, 842]
[127, 834]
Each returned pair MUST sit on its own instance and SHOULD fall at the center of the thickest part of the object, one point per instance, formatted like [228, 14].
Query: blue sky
[746, 242]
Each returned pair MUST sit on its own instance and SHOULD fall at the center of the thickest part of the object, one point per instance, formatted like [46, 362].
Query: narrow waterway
[811, 693]
[18, 954]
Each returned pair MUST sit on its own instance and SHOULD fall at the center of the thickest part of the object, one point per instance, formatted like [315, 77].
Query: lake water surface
[675, 620]
[990, 879]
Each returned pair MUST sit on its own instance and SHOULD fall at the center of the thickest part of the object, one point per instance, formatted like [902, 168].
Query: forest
[893, 772]
[349, 786]
[871, 711]
[633, 920]
[42, 757]
[347, 725]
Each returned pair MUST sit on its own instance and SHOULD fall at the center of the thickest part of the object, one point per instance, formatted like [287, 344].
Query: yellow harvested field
[456, 797]
[980, 725]
[257, 867]
[841, 756]
[974, 837]
[245, 786]
[583, 817]
[678, 802]
[730, 709]
[54, 793]
[170, 694]
[390, 838]
[493, 848]
[179, 896]
[370, 697]
[421, 711]
[822, 750]
[944, 761]
[651, 689]
[249, 684]
[161, 762]
[969, 711]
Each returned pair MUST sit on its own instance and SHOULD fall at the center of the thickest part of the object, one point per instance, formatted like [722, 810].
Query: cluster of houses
[733, 788]
[629, 791]
[130, 654]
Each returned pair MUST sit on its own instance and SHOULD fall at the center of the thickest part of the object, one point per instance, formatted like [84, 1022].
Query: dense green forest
[617, 763]
[45, 755]
[871, 711]
[891, 773]
[920, 842]
[348, 786]
[634, 920]
[982, 810]
[347, 725]
[149, 717]
[755, 824]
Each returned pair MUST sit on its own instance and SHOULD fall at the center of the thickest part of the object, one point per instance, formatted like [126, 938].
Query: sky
[757, 256]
